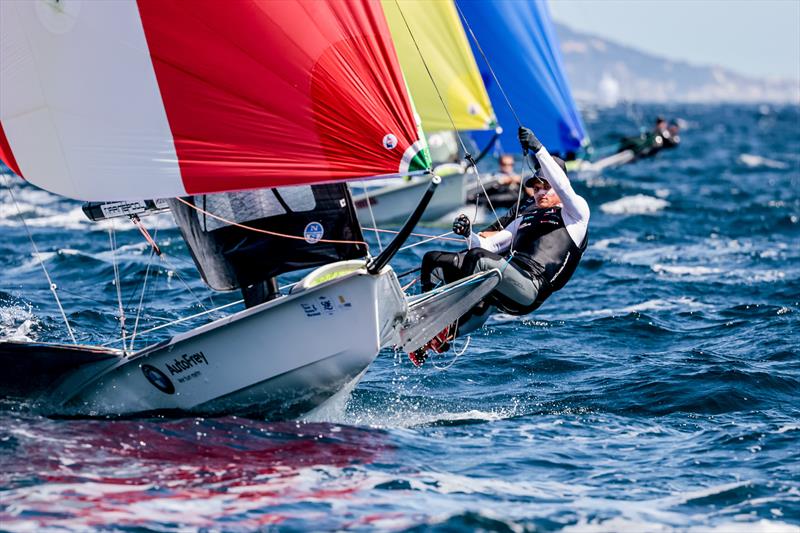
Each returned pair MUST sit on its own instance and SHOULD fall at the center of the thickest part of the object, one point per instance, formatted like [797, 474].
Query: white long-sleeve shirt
[574, 210]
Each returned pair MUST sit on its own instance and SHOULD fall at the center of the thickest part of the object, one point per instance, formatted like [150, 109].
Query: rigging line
[79, 295]
[219, 308]
[146, 234]
[519, 199]
[430, 75]
[409, 285]
[184, 319]
[266, 232]
[407, 272]
[435, 237]
[480, 182]
[457, 355]
[174, 269]
[468, 156]
[113, 242]
[50, 283]
[372, 215]
[489, 65]
[153, 250]
[414, 234]
[489, 145]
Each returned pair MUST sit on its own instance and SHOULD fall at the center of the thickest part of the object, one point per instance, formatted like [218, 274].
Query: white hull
[615, 160]
[281, 358]
[394, 200]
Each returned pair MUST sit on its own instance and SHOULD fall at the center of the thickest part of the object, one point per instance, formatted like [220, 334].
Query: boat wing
[429, 313]
[615, 160]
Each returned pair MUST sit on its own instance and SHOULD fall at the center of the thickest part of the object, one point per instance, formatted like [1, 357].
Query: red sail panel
[5, 153]
[274, 93]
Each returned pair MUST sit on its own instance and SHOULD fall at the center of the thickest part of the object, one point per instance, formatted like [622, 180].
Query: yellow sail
[436, 27]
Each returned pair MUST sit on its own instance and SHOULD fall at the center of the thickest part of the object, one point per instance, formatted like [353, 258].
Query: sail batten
[143, 99]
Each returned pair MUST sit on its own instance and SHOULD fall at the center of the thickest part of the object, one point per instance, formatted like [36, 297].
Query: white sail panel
[128, 100]
[79, 101]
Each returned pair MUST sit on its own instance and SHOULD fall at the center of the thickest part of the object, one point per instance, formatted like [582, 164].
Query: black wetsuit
[534, 248]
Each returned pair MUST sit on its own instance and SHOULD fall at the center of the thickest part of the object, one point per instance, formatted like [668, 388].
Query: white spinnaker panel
[79, 101]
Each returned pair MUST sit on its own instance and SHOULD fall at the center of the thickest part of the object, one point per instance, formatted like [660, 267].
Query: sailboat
[448, 94]
[124, 103]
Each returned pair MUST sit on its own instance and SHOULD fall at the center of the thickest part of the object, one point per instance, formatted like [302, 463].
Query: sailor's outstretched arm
[574, 207]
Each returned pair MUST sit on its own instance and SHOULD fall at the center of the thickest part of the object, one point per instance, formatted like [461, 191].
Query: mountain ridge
[603, 71]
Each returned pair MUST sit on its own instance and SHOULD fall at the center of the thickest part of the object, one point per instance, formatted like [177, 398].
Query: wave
[17, 324]
[605, 244]
[685, 270]
[638, 204]
[412, 415]
[657, 304]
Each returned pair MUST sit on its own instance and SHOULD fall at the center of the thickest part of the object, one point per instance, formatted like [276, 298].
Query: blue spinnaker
[520, 42]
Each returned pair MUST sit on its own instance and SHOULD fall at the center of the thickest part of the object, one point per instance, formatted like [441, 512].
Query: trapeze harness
[546, 252]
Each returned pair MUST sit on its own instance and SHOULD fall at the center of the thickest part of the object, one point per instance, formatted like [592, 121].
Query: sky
[760, 38]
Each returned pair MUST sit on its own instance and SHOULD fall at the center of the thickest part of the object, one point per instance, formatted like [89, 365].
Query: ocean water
[659, 391]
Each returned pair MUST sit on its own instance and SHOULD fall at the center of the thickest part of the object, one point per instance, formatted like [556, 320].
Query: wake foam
[756, 161]
[638, 204]
[656, 304]
[685, 270]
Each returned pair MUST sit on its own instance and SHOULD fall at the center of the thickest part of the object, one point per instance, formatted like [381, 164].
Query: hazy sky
[754, 37]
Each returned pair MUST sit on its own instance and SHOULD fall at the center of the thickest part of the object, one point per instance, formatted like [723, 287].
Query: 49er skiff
[130, 101]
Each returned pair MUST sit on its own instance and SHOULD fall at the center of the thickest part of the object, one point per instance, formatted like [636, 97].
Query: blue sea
[659, 391]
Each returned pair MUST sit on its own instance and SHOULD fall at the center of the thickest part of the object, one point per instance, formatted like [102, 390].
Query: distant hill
[602, 70]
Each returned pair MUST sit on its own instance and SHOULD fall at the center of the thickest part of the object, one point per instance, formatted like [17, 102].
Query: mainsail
[435, 28]
[519, 40]
[161, 98]
[230, 256]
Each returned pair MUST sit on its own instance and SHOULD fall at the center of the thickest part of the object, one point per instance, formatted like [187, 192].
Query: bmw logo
[158, 379]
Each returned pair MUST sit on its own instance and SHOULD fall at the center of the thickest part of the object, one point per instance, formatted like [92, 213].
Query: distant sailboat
[122, 102]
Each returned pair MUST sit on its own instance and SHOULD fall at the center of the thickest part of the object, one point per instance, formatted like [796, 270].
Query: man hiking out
[536, 247]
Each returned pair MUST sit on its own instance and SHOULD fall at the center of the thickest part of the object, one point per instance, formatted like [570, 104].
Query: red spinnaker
[275, 93]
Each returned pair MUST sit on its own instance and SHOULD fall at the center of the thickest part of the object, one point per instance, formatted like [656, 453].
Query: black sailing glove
[462, 226]
[528, 140]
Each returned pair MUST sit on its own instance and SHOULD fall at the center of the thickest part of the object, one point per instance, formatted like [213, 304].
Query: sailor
[503, 189]
[672, 136]
[536, 247]
[646, 144]
[507, 175]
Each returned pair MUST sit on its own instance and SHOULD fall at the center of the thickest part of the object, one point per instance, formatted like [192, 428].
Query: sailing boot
[439, 344]
[419, 356]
